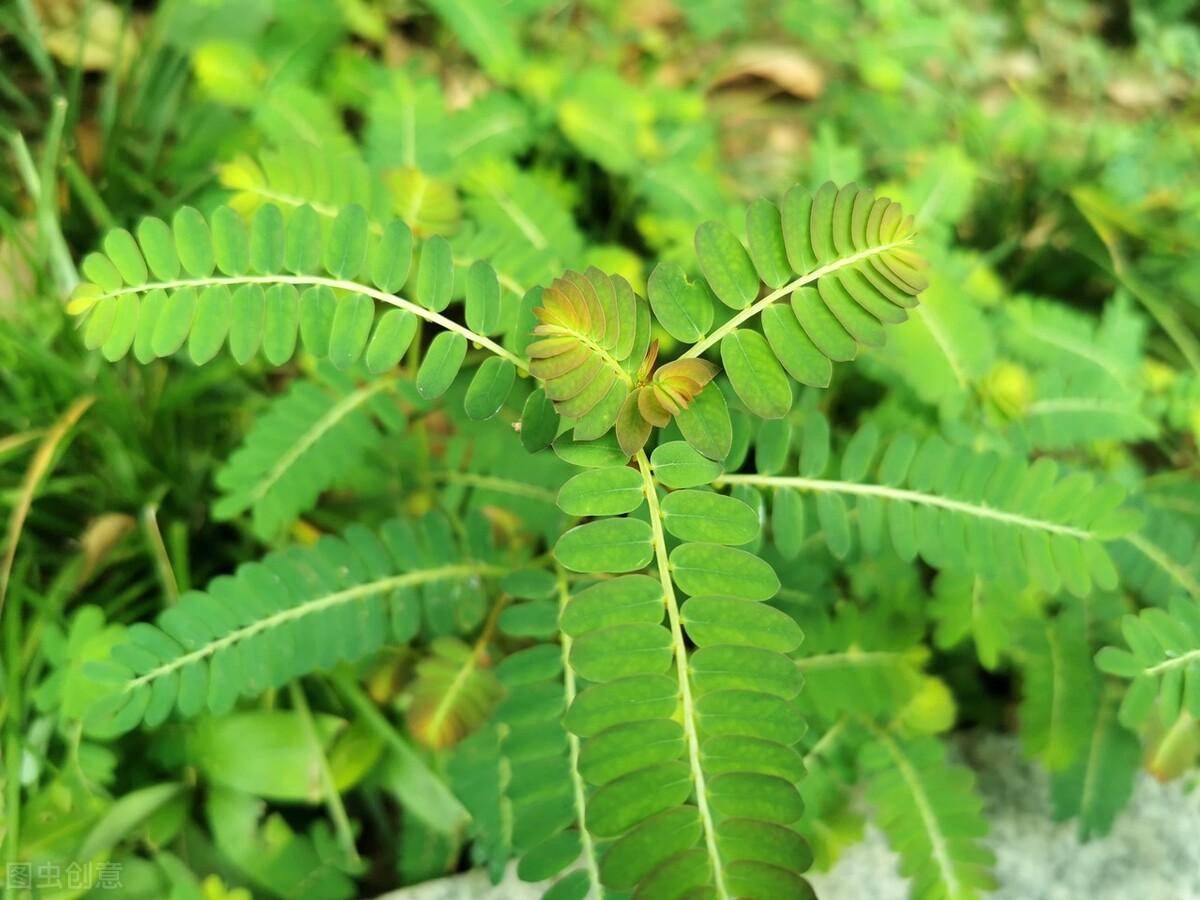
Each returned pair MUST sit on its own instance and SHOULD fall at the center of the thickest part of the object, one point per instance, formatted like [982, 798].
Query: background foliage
[411, 604]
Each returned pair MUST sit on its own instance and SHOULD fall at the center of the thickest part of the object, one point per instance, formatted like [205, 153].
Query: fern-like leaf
[453, 694]
[1061, 691]
[293, 174]
[832, 820]
[947, 346]
[931, 814]
[1099, 784]
[489, 33]
[292, 613]
[691, 753]
[407, 124]
[866, 682]
[1058, 337]
[479, 774]
[427, 205]
[1163, 662]
[855, 249]
[1076, 408]
[520, 227]
[482, 473]
[592, 333]
[299, 447]
[966, 604]
[532, 797]
[1162, 558]
[158, 293]
[1085, 384]
[997, 516]
[857, 663]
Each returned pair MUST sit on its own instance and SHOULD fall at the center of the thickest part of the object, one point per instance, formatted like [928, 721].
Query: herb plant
[524, 541]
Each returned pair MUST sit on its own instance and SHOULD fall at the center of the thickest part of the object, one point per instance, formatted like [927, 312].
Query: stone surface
[1152, 853]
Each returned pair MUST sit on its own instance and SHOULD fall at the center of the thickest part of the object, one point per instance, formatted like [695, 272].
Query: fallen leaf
[785, 67]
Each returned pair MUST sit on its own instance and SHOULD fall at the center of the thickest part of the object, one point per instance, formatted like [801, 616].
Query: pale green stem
[759, 305]
[162, 561]
[333, 799]
[1160, 558]
[827, 740]
[577, 785]
[338, 284]
[1175, 662]
[900, 494]
[690, 731]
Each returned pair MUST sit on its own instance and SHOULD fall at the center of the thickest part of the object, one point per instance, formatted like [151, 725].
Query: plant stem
[311, 607]
[579, 789]
[42, 194]
[352, 286]
[162, 561]
[12, 738]
[1162, 559]
[827, 740]
[34, 45]
[691, 733]
[889, 493]
[435, 790]
[333, 799]
[87, 194]
[38, 467]
[494, 483]
[759, 305]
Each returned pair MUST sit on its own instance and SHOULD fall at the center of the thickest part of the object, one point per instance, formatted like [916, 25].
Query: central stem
[578, 788]
[681, 670]
[337, 283]
[977, 510]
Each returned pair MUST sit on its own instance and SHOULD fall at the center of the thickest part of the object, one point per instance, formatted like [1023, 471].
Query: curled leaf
[632, 428]
[587, 330]
[659, 397]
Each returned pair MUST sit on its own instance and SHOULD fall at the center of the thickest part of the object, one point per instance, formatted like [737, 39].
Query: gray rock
[1152, 853]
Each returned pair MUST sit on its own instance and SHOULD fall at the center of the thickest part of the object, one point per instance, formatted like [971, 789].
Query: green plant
[681, 745]
[207, 283]
[511, 520]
